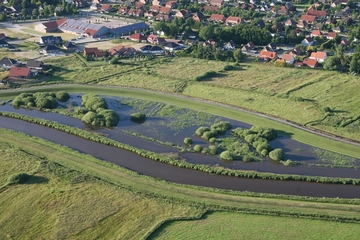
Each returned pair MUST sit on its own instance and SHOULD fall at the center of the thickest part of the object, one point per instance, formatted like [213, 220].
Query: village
[289, 36]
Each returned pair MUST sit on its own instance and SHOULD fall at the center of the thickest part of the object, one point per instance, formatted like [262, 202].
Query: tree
[35, 12]
[277, 154]
[354, 65]
[173, 30]
[207, 32]
[24, 12]
[331, 63]
[188, 141]
[3, 17]
[46, 11]
[24, 4]
[238, 55]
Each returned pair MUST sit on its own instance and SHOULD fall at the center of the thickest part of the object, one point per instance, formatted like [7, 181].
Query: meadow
[223, 225]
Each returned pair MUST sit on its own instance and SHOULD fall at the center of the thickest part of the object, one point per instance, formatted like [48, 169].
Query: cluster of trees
[98, 113]
[138, 117]
[215, 130]
[341, 61]
[41, 100]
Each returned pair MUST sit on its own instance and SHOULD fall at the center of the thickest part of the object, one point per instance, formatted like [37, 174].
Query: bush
[198, 148]
[41, 100]
[226, 155]
[277, 154]
[200, 131]
[105, 118]
[62, 96]
[213, 149]
[264, 152]
[207, 135]
[188, 141]
[92, 102]
[18, 178]
[138, 117]
[212, 140]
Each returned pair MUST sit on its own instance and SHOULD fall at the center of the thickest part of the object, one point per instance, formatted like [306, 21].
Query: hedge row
[169, 160]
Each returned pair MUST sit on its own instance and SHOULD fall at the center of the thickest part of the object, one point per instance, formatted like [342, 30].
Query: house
[198, 17]
[298, 64]
[308, 18]
[345, 42]
[171, 4]
[219, 18]
[20, 72]
[3, 43]
[139, 5]
[209, 42]
[137, 37]
[260, 24]
[210, 8]
[129, 29]
[301, 24]
[182, 14]
[229, 46]
[153, 39]
[310, 62]
[217, 3]
[122, 51]
[123, 10]
[288, 58]
[296, 51]
[136, 12]
[290, 22]
[267, 55]
[69, 46]
[331, 35]
[33, 64]
[8, 63]
[148, 49]
[250, 45]
[316, 33]
[230, 21]
[319, 56]
[50, 40]
[149, 15]
[154, 8]
[106, 8]
[316, 13]
[308, 41]
[94, 52]
[47, 27]
[2, 36]
[271, 47]
[339, 29]
[50, 49]
[165, 10]
[172, 46]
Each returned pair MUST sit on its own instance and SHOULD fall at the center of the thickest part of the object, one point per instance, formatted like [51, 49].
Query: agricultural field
[222, 225]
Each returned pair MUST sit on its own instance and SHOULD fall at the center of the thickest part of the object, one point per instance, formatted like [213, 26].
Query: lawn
[222, 225]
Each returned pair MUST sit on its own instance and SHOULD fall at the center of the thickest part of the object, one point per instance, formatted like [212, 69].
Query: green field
[222, 225]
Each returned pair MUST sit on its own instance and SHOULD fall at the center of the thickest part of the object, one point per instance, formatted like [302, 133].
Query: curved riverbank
[167, 172]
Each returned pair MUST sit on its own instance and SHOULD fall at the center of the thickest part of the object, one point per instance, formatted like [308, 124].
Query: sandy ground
[31, 54]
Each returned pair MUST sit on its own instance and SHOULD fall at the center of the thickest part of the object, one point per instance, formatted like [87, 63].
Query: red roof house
[19, 72]
[94, 52]
[316, 33]
[267, 55]
[308, 18]
[217, 18]
[331, 35]
[319, 56]
[137, 37]
[310, 62]
[233, 21]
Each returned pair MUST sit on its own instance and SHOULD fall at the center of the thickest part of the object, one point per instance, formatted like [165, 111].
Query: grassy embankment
[75, 196]
[221, 225]
[297, 134]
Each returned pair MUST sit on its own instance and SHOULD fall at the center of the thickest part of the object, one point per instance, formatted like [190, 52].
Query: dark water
[167, 172]
[266, 166]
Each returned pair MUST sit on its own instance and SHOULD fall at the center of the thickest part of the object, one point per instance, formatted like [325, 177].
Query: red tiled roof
[318, 55]
[105, 7]
[316, 13]
[233, 20]
[307, 18]
[54, 24]
[310, 62]
[19, 72]
[165, 10]
[332, 34]
[2, 35]
[137, 37]
[316, 33]
[267, 54]
[287, 57]
[217, 17]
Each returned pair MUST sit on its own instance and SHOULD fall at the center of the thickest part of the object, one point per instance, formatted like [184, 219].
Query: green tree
[24, 12]
[35, 12]
[46, 11]
[24, 4]
[354, 65]
[188, 141]
[207, 32]
[277, 154]
[331, 63]
[238, 55]
[3, 17]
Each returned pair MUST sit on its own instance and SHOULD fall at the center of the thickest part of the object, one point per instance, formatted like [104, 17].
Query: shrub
[277, 154]
[92, 102]
[18, 178]
[264, 152]
[205, 151]
[198, 148]
[213, 149]
[207, 135]
[62, 96]
[105, 118]
[188, 141]
[226, 155]
[212, 140]
[200, 131]
[138, 117]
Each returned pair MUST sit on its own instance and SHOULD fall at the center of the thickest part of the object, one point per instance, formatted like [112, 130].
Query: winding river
[167, 172]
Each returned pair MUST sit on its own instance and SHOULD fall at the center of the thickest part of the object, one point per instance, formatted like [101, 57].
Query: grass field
[74, 196]
[222, 225]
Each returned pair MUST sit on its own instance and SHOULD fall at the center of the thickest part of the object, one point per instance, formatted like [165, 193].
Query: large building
[88, 29]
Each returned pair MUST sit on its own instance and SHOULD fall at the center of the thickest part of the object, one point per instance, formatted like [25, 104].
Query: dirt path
[333, 137]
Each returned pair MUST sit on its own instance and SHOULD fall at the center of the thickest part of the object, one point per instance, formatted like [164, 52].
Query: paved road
[333, 137]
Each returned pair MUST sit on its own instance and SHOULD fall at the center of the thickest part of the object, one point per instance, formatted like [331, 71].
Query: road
[283, 121]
